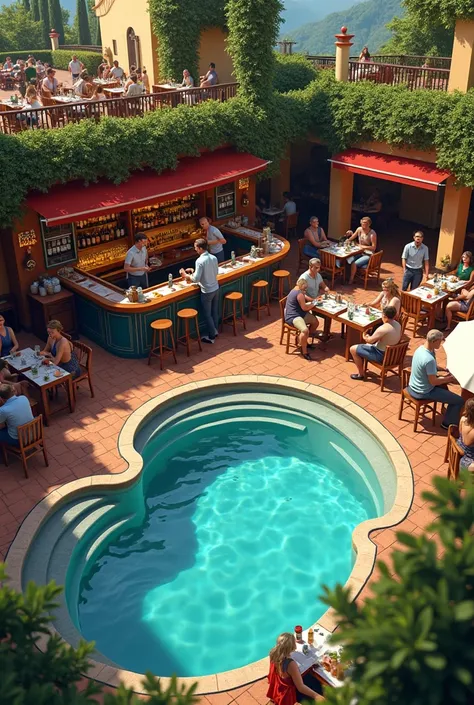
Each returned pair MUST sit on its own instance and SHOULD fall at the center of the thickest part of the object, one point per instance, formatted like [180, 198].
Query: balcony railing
[52, 116]
[435, 62]
[395, 75]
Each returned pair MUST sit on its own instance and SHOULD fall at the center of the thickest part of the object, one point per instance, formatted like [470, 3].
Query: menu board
[225, 200]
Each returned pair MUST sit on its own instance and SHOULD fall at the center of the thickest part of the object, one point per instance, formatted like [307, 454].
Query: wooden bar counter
[105, 316]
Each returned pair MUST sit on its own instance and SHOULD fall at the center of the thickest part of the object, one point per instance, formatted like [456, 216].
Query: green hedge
[293, 72]
[43, 54]
[90, 59]
[446, 12]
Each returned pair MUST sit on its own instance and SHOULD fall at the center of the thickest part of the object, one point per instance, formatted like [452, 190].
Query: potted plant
[445, 263]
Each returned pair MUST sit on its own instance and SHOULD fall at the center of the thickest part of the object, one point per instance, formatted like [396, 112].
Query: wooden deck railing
[13, 121]
[435, 62]
[396, 75]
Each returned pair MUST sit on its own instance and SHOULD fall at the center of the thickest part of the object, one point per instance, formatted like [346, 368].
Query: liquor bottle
[122, 232]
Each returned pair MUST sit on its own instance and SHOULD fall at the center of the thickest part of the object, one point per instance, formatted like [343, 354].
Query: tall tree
[46, 24]
[35, 11]
[26, 5]
[56, 18]
[18, 30]
[98, 35]
[83, 23]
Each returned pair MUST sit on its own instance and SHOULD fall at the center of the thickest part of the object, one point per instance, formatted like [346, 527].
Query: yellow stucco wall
[213, 48]
[115, 18]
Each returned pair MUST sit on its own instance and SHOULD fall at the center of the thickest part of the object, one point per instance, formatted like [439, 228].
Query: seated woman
[98, 93]
[367, 238]
[188, 80]
[389, 296]
[465, 270]
[461, 304]
[286, 686]
[316, 238]
[466, 436]
[298, 314]
[60, 350]
[8, 342]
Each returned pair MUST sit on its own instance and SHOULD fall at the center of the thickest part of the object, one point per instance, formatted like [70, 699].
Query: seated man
[389, 333]
[298, 314]
[210, 79]
[426, 384]
[289, 206]
[316, 285]
[15, 412]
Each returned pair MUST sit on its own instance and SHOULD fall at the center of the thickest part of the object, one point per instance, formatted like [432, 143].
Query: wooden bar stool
[230, 316]
[259, 288]
[185, 316]
[161, 326]
[278, 283]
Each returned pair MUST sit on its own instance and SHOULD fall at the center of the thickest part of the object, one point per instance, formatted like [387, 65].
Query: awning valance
[66, 203]
[410, 172]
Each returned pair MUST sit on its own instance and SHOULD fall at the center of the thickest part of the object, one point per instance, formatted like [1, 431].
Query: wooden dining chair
[393, 360]
[329, 266]
[84, 356]
[303, 260]
[286, 328]
[31, 442]
[459, 316]
[372, 271]
[411, 311]
[453, 453]
[421, 406]
[290, 224]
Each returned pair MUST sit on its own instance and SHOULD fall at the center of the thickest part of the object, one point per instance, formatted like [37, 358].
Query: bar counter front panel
[124, 329]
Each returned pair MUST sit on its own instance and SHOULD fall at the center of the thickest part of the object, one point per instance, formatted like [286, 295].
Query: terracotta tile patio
[85, 443]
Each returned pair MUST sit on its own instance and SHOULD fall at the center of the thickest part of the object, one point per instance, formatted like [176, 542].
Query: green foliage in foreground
[443, 11]
[413, 643]
[340, 114]
[51, 677]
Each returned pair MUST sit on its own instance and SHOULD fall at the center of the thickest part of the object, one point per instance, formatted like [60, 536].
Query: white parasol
[459, 346]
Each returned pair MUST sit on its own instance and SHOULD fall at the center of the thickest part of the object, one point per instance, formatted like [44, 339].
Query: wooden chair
[84, 356]
[453, 453]
[372, 271]
[329, 266]
[290, 224]
[393, 360]
[459, 316]
[411, 310]
[303, 260]
[421, 406]
[286, 329]
[31, 442]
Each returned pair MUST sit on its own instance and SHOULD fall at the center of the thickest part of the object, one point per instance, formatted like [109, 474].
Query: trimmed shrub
[90, 59]
[43, 54]
[293, 72]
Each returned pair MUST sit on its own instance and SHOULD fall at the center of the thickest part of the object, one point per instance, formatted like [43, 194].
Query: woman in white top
[389, 296]
[188, 80]
[49, 85]
[367, 238]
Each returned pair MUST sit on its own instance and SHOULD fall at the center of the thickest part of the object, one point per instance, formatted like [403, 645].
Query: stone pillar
[54, 36]
[281, 182]
[461, 76]
[340, 202]
[453, 223]
[343, 46]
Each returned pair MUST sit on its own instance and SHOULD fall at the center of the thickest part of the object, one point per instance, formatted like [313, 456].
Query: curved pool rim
[364, 549]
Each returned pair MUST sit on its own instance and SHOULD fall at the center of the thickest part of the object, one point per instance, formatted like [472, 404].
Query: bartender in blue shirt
[214, 237]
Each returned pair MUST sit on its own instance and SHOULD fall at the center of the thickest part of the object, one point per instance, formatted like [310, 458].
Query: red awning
[410, 172]
[69, 202]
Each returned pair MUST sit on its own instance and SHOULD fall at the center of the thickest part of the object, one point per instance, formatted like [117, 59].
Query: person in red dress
[286, 686]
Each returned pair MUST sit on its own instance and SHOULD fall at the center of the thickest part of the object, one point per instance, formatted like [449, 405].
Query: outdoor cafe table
[66, 99]
[166, 87]
[340, 252]
[115, 91]
[452, 287]
[23, 361]
[359, 325]
[46, 380]
[329, 310]
[272, 211]
[106, 82]
[430, 301]
[316, 651]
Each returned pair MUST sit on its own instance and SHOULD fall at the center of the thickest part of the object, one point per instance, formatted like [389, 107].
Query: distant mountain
[299, 12]
[366, 20]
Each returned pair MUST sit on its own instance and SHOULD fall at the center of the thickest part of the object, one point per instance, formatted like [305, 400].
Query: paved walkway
[85, 443]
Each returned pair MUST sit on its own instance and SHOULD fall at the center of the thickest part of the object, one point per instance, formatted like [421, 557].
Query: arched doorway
[133, 48]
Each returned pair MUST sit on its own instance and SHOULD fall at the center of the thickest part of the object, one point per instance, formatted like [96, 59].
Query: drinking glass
[37, 350]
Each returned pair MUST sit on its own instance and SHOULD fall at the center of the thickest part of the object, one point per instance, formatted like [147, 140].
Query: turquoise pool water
[244, 520]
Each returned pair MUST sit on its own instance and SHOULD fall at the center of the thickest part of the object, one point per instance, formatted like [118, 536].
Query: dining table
[272, 211]
[311, 661]
[343, 253]
[114, 91]
[110, 83]
[166, 87]
[430, 300]
[328, 308]
[44, 377]
[359, 324]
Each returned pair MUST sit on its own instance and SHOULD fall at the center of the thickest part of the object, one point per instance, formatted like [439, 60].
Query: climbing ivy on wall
[177, 25]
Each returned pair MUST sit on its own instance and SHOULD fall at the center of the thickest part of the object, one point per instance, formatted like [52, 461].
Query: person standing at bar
[415, 259]
[136, 262]
[205, 275]
[214, 237]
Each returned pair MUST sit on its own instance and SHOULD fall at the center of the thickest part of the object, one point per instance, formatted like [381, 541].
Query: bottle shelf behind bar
[166, 213]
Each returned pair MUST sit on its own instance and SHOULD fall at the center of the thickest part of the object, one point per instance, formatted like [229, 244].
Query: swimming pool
[244, 501]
